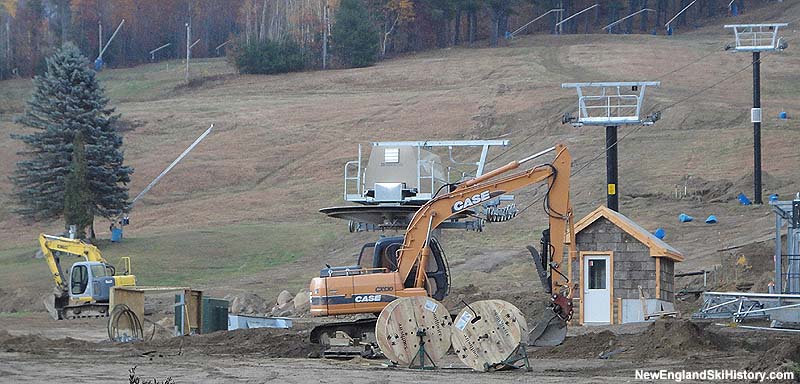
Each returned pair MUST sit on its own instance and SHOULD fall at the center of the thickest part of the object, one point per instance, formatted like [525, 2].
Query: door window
[79, 279]
[365, 257]
[597, 274]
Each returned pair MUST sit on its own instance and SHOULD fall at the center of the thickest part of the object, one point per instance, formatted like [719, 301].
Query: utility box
[215, 315]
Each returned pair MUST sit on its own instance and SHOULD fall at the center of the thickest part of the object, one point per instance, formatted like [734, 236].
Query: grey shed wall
[633, 265]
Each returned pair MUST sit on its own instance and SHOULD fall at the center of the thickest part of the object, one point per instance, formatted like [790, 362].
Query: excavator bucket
[49, 302]
[550, 331]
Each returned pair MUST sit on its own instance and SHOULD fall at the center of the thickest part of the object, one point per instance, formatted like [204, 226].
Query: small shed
[615, 257]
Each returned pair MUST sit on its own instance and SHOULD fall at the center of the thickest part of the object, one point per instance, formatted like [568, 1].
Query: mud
[669, 338]
[39, 345]
[263, 341]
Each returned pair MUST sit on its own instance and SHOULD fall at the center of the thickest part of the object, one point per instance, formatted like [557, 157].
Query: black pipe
[612, 200]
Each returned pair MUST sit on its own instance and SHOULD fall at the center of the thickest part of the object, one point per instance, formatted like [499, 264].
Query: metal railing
[348, 178]
[609, 107]
[790, 274]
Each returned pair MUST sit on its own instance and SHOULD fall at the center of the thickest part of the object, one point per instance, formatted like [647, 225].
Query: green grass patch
[13, 315]
[188, 257]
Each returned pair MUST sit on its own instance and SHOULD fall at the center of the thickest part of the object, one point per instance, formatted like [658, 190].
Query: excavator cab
[337, 288]
[90, 281]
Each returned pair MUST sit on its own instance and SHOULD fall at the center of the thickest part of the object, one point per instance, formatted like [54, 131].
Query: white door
[596, 290]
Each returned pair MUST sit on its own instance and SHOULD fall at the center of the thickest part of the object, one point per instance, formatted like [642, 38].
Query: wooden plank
[487, 333]
[658, 277]
[145, 288]
[131, 298]
[397, 325]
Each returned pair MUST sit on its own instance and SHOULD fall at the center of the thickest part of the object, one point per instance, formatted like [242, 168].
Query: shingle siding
[633, 265]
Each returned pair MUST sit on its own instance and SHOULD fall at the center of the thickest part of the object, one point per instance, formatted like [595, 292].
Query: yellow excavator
[414, 264]
[86, 291]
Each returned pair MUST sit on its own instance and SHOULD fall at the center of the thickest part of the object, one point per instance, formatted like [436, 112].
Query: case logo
[367, 298]
[470, 201]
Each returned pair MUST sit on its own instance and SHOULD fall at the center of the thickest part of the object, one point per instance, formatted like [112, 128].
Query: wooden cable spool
[488, 334]
[405, 322]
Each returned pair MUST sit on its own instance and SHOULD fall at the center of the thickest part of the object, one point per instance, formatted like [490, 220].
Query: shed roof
[658, 248]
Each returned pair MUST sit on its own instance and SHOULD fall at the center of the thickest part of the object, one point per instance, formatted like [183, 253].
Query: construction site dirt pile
[39, 345]
[269, 342]
[662, 339]
[785, 355]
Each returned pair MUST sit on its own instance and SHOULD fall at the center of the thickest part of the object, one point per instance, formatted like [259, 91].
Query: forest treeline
[30, 30]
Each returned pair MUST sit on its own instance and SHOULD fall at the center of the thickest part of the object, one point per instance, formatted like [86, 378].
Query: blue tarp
[743, 199]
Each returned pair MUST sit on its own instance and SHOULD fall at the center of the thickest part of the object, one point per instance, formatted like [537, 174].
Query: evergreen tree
[355, 40]
[77, 196]
[68, 99]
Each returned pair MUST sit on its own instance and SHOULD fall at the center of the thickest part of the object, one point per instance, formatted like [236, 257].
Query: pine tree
[355, 40]
[68, 99]
[77, 196]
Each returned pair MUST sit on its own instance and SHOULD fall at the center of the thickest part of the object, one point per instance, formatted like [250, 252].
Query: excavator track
[85, 311]
[361, 332]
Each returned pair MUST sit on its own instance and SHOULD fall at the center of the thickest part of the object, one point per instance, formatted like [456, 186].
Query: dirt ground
[34, 349]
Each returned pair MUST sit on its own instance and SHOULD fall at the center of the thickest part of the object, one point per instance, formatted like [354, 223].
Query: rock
[281, 310]
[246, 303]
[284, 297]
[301, 301]
[285, 313]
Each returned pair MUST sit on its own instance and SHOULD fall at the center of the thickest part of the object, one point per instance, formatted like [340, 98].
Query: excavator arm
[415, 251]
[48, 244]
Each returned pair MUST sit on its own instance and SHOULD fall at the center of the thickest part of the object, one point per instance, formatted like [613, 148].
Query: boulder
[284, 297]
[301, 301]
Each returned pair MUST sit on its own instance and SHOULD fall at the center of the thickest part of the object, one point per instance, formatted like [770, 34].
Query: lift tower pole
[756, 38]
[757, 128]
[612, 168]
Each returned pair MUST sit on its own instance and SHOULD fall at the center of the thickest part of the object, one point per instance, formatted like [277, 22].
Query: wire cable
[134, 325]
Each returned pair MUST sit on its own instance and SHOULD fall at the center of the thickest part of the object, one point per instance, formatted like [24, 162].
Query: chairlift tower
[611, 104]
[757, 38]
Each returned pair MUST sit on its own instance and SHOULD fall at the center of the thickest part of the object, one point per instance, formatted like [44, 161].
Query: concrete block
[606, 246]
[635, 246]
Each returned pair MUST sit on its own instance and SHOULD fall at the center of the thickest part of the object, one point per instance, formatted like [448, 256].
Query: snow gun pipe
[505, 168]
[174, 163]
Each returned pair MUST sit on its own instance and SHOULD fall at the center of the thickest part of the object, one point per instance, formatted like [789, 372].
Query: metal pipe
[111, 38]
[568, 18]
[222, 45]
[628, 17]
[160, 48]
[174, 163]
[747, 312]
[518, 30]
[535, 155]
[760, 328]
[679, 13]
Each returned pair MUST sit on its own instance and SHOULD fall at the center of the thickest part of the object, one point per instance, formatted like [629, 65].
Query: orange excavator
[415, 265]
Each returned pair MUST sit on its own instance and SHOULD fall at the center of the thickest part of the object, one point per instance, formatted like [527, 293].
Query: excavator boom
[487, 187]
